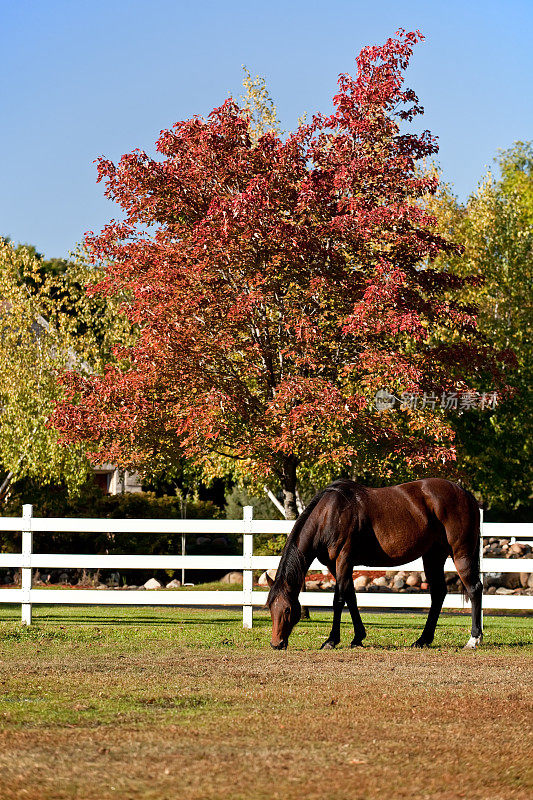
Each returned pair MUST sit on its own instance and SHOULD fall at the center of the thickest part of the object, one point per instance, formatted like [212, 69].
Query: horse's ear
[270, 580]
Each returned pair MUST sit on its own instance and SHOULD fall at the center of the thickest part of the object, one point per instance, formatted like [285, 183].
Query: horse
[348, 524]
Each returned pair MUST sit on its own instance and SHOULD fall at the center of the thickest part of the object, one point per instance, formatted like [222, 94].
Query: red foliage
[276, 286]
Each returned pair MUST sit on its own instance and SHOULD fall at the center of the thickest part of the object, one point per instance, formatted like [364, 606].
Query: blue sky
[81, 79]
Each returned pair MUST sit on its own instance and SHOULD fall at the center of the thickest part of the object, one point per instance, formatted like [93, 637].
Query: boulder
[152, 583]
[380, 581]
[530, 581]
[328, 584]
[361, 582]
[493, 579]
[517, 549]
[263, 578]
[503, 590]
[313, 586]
[174, 584]
[413, 579]
[232, 578]
[398, 583]
[510, 580]
[524, 578]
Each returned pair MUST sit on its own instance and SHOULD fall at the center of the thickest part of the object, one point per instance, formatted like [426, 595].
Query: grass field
[161, 703]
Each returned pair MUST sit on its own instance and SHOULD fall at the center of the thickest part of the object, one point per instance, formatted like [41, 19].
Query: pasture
[162, 703]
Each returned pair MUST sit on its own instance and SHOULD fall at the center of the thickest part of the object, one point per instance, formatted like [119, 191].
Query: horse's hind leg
[434, 569]
[468, 570]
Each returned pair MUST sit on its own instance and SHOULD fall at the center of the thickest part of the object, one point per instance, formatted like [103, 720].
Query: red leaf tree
[276, 286]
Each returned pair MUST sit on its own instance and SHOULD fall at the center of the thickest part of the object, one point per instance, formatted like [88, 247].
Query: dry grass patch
[95, 717]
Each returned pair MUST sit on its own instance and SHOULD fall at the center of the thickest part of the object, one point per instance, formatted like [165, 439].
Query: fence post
[27, 549]
[247, 575]
[481, 575]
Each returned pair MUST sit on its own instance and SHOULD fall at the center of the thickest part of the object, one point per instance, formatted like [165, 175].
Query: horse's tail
[475, 522]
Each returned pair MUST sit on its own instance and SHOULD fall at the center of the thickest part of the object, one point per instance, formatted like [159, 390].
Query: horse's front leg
[348, 591]
[335, 634]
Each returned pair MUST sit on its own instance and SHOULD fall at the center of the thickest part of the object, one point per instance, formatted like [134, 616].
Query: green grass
[126, 627]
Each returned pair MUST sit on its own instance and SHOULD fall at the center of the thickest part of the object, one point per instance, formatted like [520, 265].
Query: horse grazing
[348, 524]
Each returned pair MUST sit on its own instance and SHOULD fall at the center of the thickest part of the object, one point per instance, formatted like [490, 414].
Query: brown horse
[349, 524]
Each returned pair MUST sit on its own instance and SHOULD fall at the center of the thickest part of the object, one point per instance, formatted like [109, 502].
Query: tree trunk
[288, 484]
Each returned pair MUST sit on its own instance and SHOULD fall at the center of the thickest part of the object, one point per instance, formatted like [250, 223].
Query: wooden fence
[247, 598]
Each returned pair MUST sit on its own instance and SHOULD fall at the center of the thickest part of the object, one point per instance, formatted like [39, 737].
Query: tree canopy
[277, 282]
[48, 323]
[495, 227]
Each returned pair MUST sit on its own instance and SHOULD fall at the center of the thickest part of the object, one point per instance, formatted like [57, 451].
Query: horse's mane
[291, 569]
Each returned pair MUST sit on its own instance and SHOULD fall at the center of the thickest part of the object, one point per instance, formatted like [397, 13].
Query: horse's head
[285, 611]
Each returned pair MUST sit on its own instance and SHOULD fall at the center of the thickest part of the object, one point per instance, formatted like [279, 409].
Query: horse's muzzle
[281, 646]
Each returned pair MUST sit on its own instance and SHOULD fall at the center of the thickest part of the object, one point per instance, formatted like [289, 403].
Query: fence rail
[27, 560]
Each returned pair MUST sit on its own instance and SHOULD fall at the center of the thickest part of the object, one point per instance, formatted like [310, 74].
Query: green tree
[48, 323]
[495, 227]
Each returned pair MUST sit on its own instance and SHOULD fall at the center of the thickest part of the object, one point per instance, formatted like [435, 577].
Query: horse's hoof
[329, 644]
[356, 643]
[420, 643]
[473, 642]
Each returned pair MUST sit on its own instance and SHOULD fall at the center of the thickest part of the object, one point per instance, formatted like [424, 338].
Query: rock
[493, 579]
[232, 578]
[174, 584]
[398, 583]
[402, 574]
[313, 586]
[380, 581]
[390, 574]
[413, 579]
[202, 540]
[220, 541]
[328, 584]
[530, 581]
[263, 580]
[503, 590]
[524, 578]
[63, 578]
[152, 583]
[424, 586]
[361, 583]
[510, 580]
[516, 549]
[132, 587]
[491, 590]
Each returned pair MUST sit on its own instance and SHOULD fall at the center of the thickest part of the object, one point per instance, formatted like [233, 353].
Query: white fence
[27, 560]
